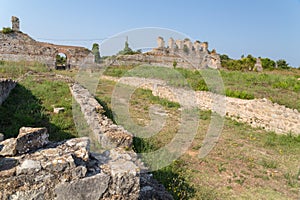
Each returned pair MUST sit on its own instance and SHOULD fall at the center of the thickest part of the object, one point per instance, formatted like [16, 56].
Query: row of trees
[246, 63]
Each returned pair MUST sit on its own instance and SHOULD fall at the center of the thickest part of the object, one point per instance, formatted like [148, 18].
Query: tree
[127, 50]
[96, 52]
[282, 64]
[61, 59]
[186, 49]
[224, 57]
[268, 63]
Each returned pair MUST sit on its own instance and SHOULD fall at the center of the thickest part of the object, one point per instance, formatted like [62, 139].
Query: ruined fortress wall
[183, 54]
[6, 85]
[17, 46]
[258, 113]
[153, 60]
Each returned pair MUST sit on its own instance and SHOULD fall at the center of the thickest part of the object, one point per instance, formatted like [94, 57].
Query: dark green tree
[186, 49]
[282, 64]
[96, 52]
[224, 57]
[267, 63]
[61, 60]
[127, 50]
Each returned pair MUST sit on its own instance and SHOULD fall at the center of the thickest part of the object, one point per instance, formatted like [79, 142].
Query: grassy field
[32, 102]
[246, 163]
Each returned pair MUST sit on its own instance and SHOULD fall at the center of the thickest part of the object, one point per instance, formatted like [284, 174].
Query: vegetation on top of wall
[7, 30]
[128, 51]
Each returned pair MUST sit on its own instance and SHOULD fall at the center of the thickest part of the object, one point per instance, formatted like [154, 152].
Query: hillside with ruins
[179, 121]
[183, 53]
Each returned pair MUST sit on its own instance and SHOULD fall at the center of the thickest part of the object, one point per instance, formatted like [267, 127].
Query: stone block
[30, 139]
[8, 147]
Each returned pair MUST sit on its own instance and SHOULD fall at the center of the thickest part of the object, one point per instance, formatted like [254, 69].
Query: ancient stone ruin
[32, 167]
[15, 23]
[258, 65]
[258, 113]
[179, 53]
[6, 85]
[18, 46]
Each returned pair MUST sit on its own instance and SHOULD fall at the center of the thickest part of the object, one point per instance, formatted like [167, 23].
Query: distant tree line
[246, 63]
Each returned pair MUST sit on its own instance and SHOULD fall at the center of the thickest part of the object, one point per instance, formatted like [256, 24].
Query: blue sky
[266, 28]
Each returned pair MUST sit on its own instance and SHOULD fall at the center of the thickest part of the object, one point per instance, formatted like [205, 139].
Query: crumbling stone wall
[257, 112]
[105, 131]
[17, 46]
[31, 167]
[6, 85]
[122, 162]
[184, 53]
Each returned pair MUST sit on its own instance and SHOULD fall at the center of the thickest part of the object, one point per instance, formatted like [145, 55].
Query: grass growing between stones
[246, 163]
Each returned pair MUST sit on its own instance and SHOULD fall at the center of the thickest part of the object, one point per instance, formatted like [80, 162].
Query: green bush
[174, 64]
[7, 30]
[239, 94]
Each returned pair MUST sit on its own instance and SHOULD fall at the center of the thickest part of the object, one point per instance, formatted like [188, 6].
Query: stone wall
[105, 131]
[257, 113]
[131, 180]
[18, 46]
[6, 85]
[184, 53]
[31, 167]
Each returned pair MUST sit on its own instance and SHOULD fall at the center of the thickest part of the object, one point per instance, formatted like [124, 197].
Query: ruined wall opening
[61, 61]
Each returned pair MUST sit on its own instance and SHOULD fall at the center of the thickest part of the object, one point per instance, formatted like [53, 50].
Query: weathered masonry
[18, 46]
[181, 53]
[6, 85]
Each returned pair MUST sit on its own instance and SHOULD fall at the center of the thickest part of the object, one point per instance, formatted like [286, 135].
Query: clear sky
[266, 28]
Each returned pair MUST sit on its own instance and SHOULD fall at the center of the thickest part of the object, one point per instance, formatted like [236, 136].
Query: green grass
[14, 70]
[244, 159]
[31, 104]
[246, 163]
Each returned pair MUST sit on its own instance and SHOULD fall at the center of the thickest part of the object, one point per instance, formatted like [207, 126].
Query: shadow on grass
[22, 108]
[108, 112]
[173, 177]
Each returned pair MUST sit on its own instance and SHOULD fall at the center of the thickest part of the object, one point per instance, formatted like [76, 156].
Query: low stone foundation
[260, 113]
[108, 134]
[31, 167]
